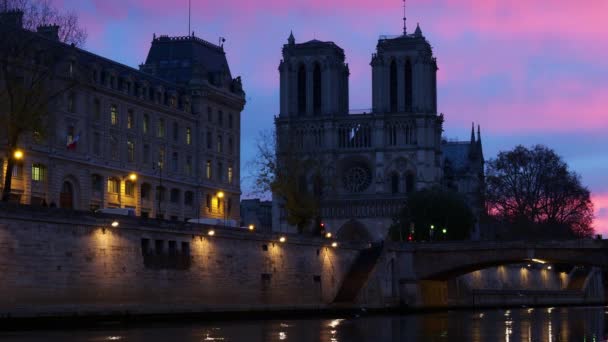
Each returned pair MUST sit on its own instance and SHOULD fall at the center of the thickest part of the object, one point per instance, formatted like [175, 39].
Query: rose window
[357, 179]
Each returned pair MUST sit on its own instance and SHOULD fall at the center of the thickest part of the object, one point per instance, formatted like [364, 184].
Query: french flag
[71, 145]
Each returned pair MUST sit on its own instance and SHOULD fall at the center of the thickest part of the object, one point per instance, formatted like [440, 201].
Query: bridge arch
[354, 231]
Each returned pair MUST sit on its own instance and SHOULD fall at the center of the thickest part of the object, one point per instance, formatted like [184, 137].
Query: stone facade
[174, 124]
[370, 160]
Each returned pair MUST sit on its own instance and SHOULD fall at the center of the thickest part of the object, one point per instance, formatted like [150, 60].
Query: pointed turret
[472, 133]
[418, 32]
[291, 40]
[478, 135]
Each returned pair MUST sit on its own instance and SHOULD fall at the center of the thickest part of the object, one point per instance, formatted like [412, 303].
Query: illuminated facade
[369, 160]
[174, 124]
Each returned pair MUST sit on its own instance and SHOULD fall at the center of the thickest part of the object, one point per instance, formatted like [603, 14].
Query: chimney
[13, 18]
[49, 31]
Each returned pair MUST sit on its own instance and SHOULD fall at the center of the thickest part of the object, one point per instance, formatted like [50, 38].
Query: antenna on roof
[189, 14]
[404, 30]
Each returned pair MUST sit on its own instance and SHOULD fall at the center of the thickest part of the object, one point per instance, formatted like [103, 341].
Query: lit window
[130, 151]
[129, 188]
[208, 169]
[188, 136]
[113, 185]
[130, 119]
[161, 128]
[230, 174]
[38, 173]
[114, 115]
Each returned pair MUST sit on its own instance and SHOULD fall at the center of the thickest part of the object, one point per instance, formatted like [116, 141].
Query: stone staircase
[358, 274]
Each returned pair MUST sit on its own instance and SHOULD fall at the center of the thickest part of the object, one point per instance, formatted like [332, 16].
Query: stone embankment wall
[53, 264]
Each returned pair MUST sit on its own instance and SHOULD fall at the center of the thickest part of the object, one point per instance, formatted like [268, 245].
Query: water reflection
[550, 324]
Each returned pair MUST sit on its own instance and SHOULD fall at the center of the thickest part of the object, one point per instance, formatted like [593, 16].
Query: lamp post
[431, 231]
[221, 196]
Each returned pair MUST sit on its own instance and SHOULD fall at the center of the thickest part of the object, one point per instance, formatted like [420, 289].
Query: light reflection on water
[552, 324]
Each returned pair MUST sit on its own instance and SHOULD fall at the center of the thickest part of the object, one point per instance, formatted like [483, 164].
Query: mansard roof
[179, 59]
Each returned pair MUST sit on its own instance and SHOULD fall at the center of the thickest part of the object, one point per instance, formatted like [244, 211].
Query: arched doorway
[66, 197]
[354, 230]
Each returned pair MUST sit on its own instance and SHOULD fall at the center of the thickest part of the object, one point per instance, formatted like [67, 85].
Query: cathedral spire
[418, 32]
[472, 133]
[478, 136]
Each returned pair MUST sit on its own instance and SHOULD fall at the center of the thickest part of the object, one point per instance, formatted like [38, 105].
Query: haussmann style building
[370, 160]
[163, 140]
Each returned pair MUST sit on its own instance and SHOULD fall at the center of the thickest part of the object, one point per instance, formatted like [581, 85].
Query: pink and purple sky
[529, 72]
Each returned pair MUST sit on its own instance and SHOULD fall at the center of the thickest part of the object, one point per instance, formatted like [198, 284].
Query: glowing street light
[18, 154]
[444, 231]
[251, 227]
[114, 224]
[211, 232]
[220, 194]
[282, 239]
[334, 244]
[328, 235]
[132, 176]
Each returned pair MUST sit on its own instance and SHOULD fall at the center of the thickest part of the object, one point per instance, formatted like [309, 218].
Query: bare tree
[34, 74]
[533, 191]
[286, 170]
[41, 13]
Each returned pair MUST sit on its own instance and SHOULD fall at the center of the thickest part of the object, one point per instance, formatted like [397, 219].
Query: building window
[97, 183]
[209, 114]
[220, 172]
[230, 145]
[394, 183]
[175, 132]
[219, 144]
[209, 141]
[161, 157]
[130, 151]
[220, 118]
[161, 128]
[230, 174]
[208, 202]
[129, 188]
[145, 124]
[302, 89]
[188, 166]
[208, 169]
[70, 137]
[113, 185]
[130, 119]
[188, 136]
[71, 104]
[408, 85]
[114, 115]
[188, 198]
[230, 119]
[97, 143]
[114, 152]
[146, 152]
[393, 86]
[38, 173]
[317, 89]
[174, 195]
[229, 205]
[175, 162]
[96, 110]
[145, 191]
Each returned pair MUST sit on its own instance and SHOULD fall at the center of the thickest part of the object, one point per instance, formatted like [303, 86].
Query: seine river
[540, 324]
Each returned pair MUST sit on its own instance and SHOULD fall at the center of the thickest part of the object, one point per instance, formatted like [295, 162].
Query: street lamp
[18, 154]
[334, 244]
[431, 232]
[328, 235]
[132, 176]
[282, 239]
[251, 227]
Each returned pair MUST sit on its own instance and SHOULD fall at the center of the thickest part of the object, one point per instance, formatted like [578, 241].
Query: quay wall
[61, 265]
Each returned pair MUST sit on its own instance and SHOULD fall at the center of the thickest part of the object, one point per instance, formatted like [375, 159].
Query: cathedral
[369, 161]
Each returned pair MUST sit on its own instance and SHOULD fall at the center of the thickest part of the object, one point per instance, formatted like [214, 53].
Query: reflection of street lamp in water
[220, 196]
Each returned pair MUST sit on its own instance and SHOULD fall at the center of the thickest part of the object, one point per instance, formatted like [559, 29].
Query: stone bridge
[441, 261]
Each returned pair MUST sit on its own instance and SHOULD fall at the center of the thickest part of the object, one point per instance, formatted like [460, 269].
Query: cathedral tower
[314, 79]
[404, 75]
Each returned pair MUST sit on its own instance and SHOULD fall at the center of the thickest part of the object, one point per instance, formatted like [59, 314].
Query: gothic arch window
[393, 86]
[409, 182]
[301, 89]
[394, 183]
[317, 89]
[408, 85]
